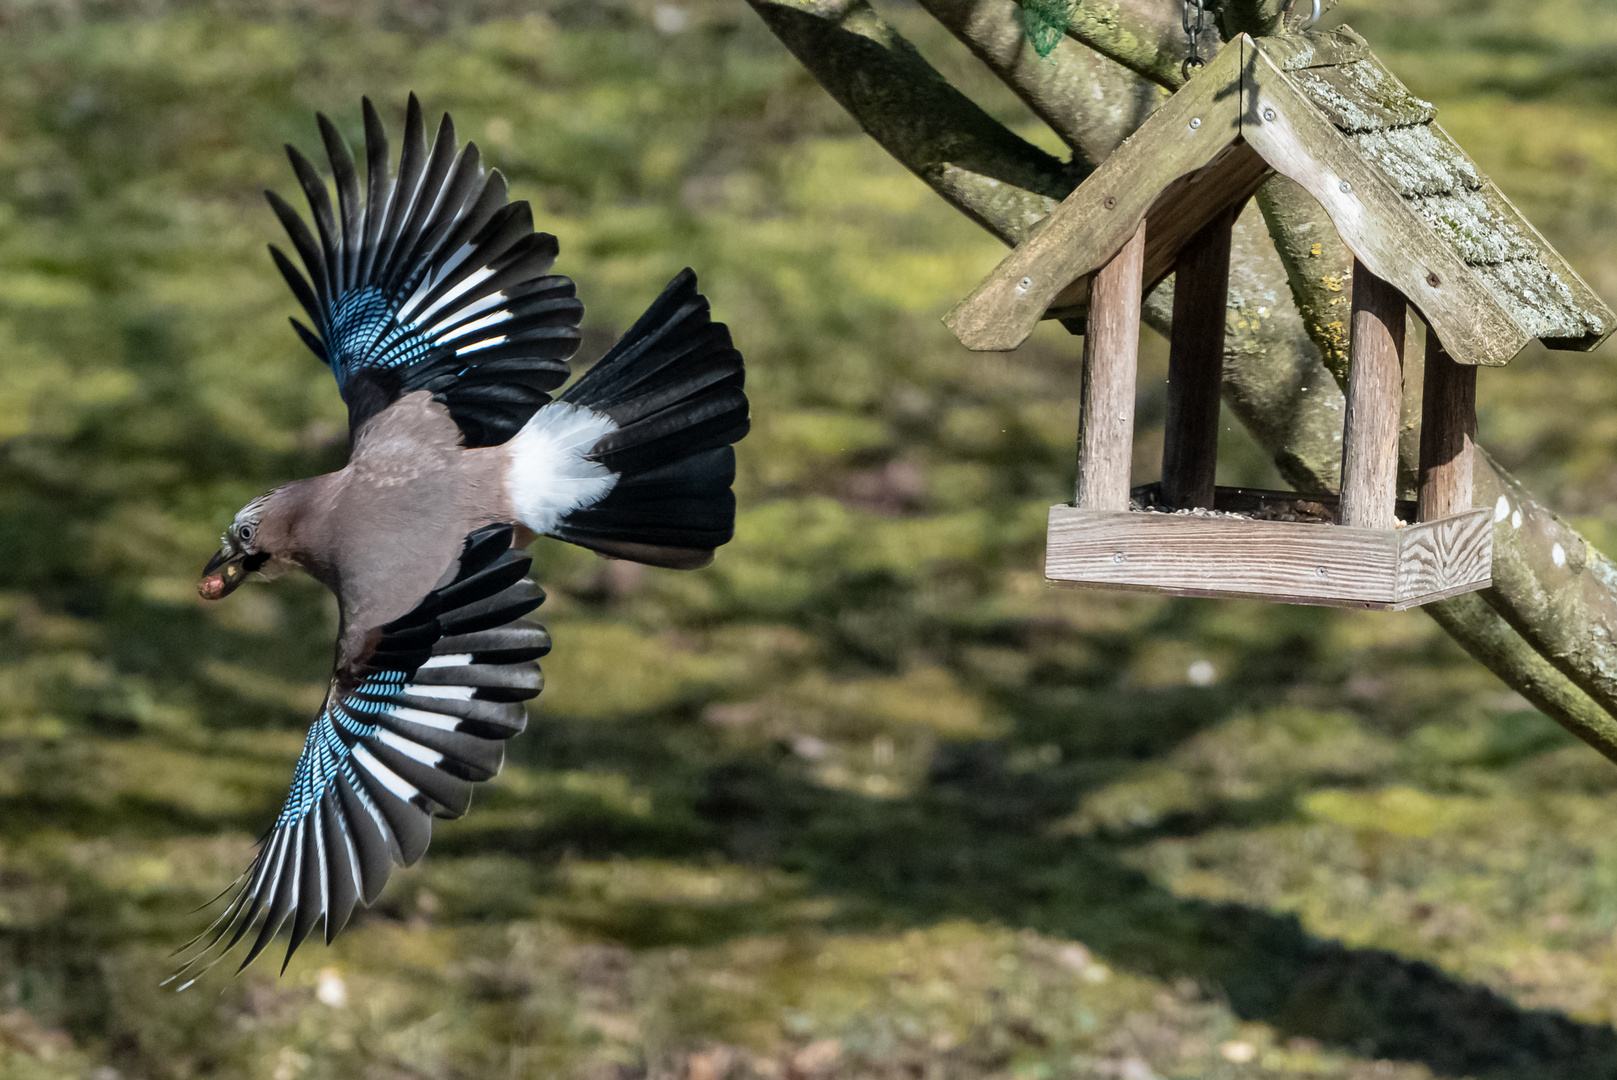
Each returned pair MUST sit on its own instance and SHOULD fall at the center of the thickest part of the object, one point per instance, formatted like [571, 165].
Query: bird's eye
[245, 532]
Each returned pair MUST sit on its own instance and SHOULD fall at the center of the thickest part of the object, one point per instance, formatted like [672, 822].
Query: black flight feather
[426, 281]
[673, 387]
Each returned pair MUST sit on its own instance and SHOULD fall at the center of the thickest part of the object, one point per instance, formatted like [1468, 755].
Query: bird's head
[240, 553]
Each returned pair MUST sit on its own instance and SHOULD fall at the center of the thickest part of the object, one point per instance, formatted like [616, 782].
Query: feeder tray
[1275, 545]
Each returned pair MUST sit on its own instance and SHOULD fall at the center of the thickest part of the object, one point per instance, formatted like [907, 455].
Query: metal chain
[1192, 18]
[1292, 20]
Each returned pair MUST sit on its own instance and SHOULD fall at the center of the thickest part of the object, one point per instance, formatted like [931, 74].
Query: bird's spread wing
[429, 281]
[404, 733]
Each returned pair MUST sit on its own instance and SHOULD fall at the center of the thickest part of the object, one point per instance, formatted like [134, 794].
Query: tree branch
[1145, 36]
[1255, 17]
[1490, 640]
[1273, 378]
[978, 165]
[1317, 265]
[1550, 584]
[1092, 102]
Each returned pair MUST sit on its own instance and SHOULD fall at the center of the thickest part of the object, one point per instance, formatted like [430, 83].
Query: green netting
[1044, 21]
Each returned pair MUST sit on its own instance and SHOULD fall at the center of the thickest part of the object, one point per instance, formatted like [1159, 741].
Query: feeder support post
[1111, 362]
[1201, 287]
[1448, 427]
[1374, 393]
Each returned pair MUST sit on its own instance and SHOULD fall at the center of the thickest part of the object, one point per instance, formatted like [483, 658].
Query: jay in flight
[430, 298]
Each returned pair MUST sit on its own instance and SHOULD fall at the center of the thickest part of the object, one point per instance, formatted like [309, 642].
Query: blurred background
[863, 799]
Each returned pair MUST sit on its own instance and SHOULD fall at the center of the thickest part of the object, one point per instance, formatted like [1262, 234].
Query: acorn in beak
[227, 569]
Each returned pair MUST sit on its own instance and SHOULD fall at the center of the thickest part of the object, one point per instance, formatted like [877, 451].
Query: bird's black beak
[227, 569]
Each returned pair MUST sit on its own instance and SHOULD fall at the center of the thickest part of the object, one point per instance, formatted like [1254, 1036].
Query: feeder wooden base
[1294, 562]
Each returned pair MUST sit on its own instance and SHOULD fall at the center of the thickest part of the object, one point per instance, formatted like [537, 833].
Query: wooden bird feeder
[1426, 229]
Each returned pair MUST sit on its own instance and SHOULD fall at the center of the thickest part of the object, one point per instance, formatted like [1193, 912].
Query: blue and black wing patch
[401, 739]
[429, 281]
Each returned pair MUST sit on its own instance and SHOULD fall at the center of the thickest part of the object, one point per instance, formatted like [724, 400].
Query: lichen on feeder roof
[1397, 132]
[1320, 108]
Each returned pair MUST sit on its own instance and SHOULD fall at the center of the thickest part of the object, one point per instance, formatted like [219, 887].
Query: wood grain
[1448, 427]
[1294, 52]
[1111, 362]
[1582, 295]
[1444, 558]
[1193, 202]
[1184, 208]
[1103, 212]
[1292, 562]
[1196, 366]
[1298, 141]
[1374, 393]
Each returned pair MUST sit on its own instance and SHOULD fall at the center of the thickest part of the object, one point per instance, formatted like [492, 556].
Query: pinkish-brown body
[382, 530]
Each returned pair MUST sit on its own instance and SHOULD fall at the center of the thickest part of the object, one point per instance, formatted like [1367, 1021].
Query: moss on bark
[995, 177]
[1091, 101]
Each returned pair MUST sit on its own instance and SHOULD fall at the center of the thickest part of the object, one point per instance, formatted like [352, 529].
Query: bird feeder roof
[1322, 110]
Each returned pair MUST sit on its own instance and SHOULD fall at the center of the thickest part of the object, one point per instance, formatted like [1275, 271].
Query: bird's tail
[635, 460]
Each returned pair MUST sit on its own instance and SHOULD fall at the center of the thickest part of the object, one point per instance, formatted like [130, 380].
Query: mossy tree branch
[1318, 266]
[1482, 632]
[1547, 625]
[982, 168]
[1550, 584]
[1145, 36]
[1092, 102]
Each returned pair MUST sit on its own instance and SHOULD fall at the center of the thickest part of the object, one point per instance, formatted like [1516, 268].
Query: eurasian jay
[431, 300]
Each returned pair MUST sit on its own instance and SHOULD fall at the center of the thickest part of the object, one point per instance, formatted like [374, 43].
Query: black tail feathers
[673, 386]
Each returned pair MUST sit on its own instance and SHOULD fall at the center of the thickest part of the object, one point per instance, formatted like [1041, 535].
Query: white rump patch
[391, 780]
[549, 477]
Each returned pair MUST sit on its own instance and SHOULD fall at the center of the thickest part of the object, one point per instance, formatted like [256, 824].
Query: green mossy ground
[865, 798]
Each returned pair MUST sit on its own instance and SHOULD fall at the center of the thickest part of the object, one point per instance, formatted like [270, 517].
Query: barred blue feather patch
[395, 745]
[364, 325]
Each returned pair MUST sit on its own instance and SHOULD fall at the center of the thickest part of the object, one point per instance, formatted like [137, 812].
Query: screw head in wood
[1320, 570]
[1433, 280]
[1024, 285]
[1119, 557]
[1195, 122]
[1268, 114]
[1110, 202]
[1345, 186]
